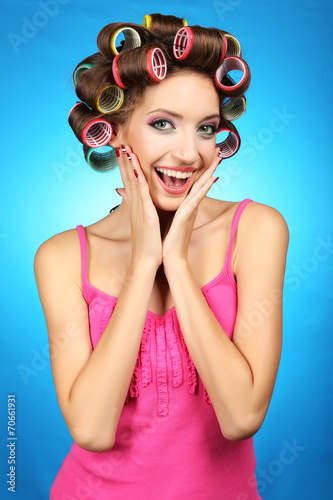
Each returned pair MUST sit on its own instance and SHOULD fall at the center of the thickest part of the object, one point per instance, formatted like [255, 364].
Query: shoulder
[262, 237]
[258, 218]
[59, 252]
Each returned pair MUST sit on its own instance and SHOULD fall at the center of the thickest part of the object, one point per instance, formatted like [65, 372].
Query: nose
[186, 149]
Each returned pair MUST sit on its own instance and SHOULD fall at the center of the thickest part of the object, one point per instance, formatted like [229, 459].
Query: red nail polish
[129, 158]
[117, 152]
[123, 149]
[136, 173]
[217, 178]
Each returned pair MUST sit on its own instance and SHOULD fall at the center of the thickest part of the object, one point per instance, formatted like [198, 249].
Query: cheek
[208, 153]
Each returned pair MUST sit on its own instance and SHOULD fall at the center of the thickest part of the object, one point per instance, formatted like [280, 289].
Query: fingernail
[128, 156]
[136, 173]
[220, 153]
[117, 152]
[123, 149]
[118, 192]
[220, 160]
[217, 178]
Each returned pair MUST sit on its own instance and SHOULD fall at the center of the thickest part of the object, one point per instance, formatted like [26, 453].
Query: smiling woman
[174, 140]
[162, 387]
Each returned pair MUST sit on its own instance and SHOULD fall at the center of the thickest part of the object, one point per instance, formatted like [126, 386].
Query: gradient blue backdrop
[285, 161]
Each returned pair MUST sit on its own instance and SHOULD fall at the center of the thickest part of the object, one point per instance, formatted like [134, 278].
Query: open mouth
[173, 179]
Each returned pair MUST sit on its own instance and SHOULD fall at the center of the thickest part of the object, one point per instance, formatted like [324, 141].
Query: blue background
[285, 162]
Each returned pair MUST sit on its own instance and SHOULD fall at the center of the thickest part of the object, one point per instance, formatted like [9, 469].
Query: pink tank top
[169, 445]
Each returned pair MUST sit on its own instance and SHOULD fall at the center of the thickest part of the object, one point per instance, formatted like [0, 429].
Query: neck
[165, 218]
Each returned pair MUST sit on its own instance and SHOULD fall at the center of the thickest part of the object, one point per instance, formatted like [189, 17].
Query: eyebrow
[176, 115]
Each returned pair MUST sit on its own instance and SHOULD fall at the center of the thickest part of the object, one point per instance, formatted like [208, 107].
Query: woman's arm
[239, 375]
[92, 385]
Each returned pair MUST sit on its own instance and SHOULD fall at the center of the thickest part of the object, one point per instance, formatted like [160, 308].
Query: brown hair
[112, 81]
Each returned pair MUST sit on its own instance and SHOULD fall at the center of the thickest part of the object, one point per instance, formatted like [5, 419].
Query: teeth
[174, 173]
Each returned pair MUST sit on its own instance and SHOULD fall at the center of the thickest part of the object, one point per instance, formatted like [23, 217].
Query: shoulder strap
[234, 225]
[83, 246]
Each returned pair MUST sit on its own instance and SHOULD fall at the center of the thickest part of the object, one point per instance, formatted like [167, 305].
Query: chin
[168, 204]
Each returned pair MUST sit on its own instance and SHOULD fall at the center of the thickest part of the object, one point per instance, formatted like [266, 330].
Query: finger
[139, 179]
[199, 195]
[204, 177]
[128, 173]
[123, 166]
[210, 170]
[122, 193]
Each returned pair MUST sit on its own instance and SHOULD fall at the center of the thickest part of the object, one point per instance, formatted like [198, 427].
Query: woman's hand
[178, 235]
[145, 227]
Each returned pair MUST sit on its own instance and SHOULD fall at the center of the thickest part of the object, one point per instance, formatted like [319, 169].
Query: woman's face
[172, 131]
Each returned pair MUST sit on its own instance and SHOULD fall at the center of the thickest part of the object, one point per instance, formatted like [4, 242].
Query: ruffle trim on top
[169, 341]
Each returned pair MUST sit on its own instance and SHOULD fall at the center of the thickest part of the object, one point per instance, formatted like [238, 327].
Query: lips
[174, 180]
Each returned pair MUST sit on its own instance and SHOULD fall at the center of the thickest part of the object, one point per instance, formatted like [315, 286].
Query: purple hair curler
[230, 145]
[230, 64]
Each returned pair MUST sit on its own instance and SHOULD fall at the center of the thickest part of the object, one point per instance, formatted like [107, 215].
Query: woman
[165, 317]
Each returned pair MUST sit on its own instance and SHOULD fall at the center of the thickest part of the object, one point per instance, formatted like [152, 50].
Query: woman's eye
[162, 125]
[208, 130]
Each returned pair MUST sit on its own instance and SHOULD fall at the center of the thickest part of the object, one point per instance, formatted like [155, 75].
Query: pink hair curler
[79, 102]
[116, 73]
[229, 64]
[230, 145]
[97, 133]
[225, 48]
[156, 64]
[183, 43]
[89, 128]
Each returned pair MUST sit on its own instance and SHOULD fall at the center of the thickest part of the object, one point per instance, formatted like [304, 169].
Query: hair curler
[101, 161]
[156, 64]
[233, 46]
[108, 39]
[148, 20]
[80, 69]
[233, 107]
[201, 47]
[228, 86]
[183, 43]
[132, 39]
[144, 64]
[231, 144]
[115, 72]
[110, 99]
[90, 129]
